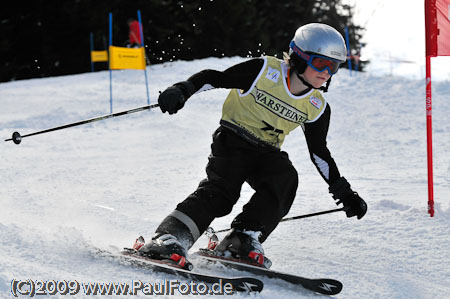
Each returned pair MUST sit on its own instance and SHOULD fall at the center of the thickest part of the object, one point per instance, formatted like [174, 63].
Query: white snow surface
[103, 184]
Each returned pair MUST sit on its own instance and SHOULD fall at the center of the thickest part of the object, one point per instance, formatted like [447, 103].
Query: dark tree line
[43, 38]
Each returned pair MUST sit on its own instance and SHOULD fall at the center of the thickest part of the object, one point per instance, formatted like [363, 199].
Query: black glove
[173, 98]
[354, 205]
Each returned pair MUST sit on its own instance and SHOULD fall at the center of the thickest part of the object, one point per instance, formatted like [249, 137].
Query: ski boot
[243, 245]
[171, 242]
[164, 247]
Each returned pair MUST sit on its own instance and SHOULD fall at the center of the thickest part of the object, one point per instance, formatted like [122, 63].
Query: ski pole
[17, 138]
[211, 230]
[312, 214]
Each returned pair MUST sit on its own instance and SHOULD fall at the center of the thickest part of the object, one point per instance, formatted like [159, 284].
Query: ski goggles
[317, 62]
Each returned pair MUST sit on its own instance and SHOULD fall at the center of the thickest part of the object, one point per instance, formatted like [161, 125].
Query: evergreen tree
[50, 37]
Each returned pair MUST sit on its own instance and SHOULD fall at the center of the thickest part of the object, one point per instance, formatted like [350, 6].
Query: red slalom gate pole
[429, 137]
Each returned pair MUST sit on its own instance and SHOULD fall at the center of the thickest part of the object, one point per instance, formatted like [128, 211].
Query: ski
[324, 286]
[239, 284]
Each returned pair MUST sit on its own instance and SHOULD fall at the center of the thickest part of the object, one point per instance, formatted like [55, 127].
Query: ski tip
[329, 287]
[249, 285]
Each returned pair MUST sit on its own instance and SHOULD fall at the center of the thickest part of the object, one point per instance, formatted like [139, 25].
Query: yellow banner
[98, 56]
[126, 58]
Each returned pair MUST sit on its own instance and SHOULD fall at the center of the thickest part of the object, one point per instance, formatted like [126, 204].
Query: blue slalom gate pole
[357, 60]
[143, 45]
[349, 58]
[92, 49]
[110, 71]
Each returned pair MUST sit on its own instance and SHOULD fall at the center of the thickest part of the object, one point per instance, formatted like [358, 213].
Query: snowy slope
[99, 185]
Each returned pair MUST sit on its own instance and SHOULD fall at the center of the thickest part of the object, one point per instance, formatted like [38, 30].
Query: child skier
[268, 99]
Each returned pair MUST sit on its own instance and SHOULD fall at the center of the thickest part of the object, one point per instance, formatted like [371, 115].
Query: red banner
[437, 27]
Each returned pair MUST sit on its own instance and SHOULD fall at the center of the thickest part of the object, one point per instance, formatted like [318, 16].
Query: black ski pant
[232, 162]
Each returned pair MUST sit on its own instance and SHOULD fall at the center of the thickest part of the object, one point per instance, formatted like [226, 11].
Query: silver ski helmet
[316, 38]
